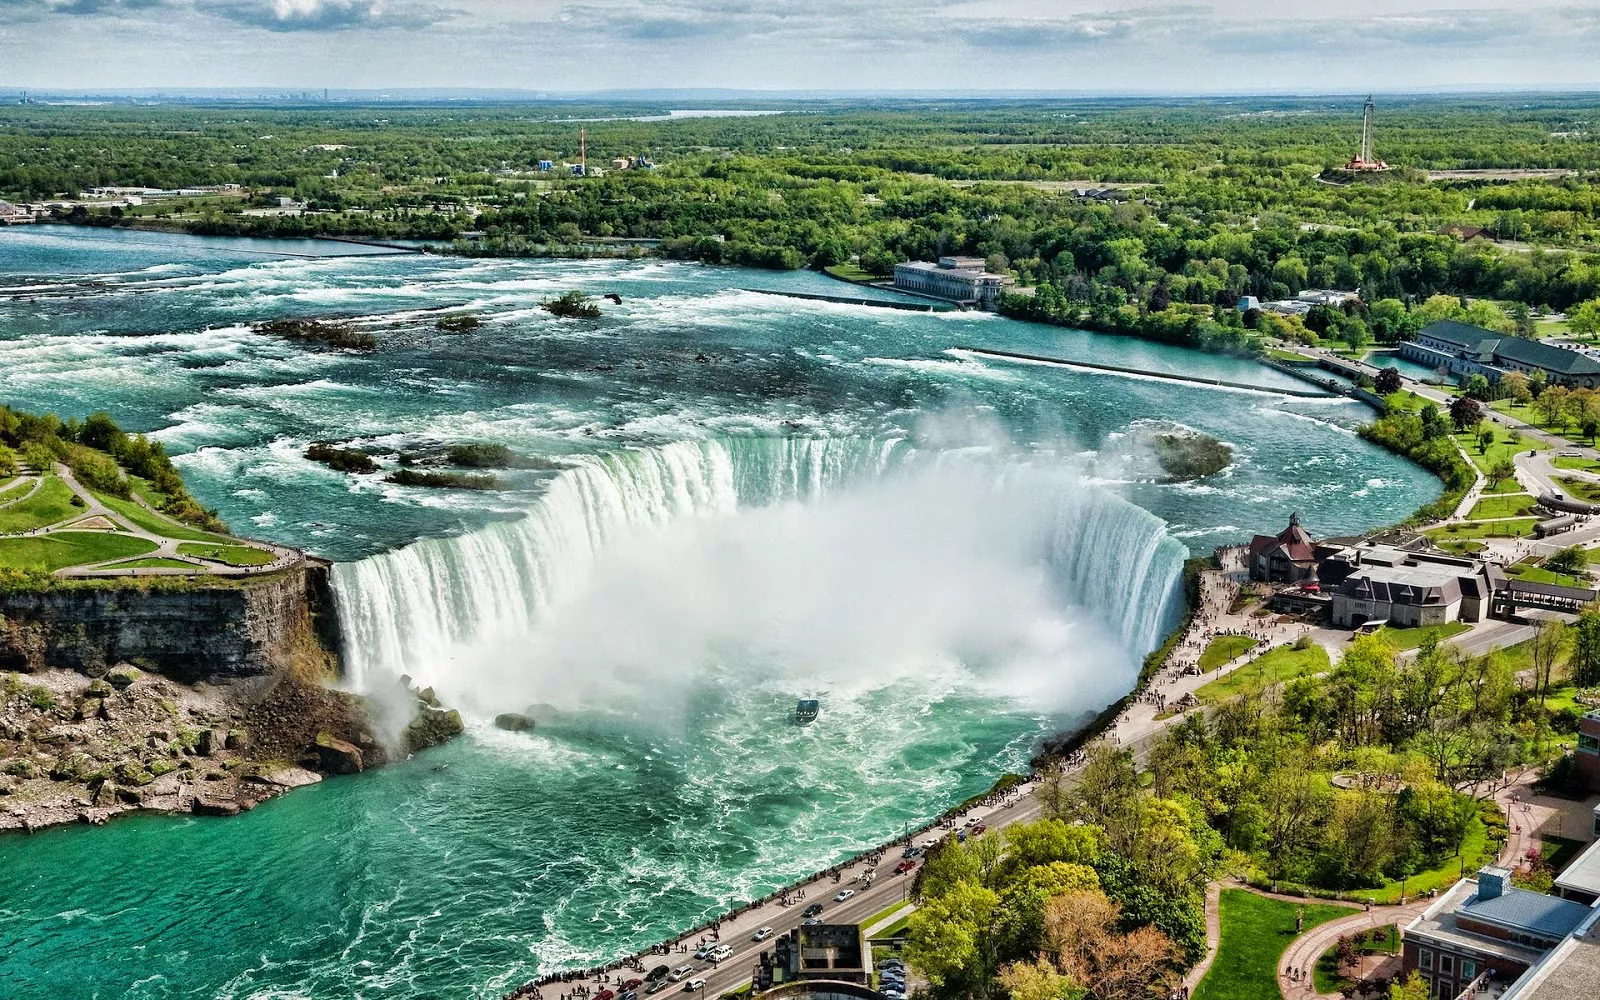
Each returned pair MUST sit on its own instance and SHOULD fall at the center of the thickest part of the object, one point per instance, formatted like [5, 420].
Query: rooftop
[1439, 921]
[1583, 874]
[1570, 972]
[1488, 345]
[1418, 585]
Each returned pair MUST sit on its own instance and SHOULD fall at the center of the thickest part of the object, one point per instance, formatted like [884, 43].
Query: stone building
[959, 279]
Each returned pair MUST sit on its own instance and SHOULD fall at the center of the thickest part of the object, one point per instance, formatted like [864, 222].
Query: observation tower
[1364, 160]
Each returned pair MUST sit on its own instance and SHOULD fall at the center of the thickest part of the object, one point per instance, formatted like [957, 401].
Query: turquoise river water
[738, 499]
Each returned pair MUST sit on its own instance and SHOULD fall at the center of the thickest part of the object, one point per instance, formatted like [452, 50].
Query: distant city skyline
[1228, 46]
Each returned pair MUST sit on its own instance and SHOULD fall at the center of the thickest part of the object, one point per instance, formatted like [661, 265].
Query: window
[1588, 744]
[1447, 964]
[1469, 970]
[1425, 959]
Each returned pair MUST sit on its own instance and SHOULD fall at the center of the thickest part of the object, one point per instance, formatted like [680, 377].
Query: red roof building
[1290, 556]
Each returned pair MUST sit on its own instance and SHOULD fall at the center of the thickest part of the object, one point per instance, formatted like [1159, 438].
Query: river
[735, 499]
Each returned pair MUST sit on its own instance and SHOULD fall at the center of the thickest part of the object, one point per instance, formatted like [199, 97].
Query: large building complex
[959, 279]
[1464, 350]
[1487, 929]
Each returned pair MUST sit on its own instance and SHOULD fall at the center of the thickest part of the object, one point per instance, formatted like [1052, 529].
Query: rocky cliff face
[272, 624]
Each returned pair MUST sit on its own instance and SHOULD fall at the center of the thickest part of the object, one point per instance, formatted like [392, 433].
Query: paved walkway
[1303, 952]
[165, 547]
[1191, 979]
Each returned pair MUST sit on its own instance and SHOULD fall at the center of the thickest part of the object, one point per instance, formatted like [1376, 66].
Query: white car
[721, 952]
[681, 973]
[762, 934]
[694, 985]
[844, 894]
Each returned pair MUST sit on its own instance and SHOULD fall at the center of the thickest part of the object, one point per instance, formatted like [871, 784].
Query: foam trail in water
[824, 563]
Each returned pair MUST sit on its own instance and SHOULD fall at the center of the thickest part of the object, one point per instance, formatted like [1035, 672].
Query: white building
[959, 279]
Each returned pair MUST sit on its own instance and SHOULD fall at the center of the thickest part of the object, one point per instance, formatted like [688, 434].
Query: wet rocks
[335, 756]
[514, 722]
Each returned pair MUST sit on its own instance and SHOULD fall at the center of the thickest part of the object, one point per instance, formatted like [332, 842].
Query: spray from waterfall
[791, 565]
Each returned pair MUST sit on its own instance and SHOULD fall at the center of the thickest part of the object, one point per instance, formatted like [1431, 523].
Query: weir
[1120, 369]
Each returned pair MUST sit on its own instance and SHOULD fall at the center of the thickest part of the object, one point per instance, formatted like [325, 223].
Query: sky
[1227, 46]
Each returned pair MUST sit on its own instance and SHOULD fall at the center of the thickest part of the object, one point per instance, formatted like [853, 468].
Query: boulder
[335, 756]
[122, 676]
[431, 727]
[98, 689]
[514, 722]
[213, 807]
[207, 742]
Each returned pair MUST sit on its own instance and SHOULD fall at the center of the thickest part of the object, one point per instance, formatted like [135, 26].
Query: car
[604, 995]
[705, 950]
[961, 836]
[890, 982]
[893, 974]
[633, 984]
[628, 995]
[681, 972]
[843, 895]
[762, 934]
[893, 994]
[659, 972]
[694, 985]
[892, 963]
[811, 921]
[656, 986]
[721, 952]
[812, 910]
[911, 852]
[889, 986]
[981, 828]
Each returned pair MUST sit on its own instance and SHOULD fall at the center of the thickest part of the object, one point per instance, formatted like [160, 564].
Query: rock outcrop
[188, 631]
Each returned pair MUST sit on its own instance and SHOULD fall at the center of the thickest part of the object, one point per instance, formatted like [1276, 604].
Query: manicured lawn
[233, 555]
[1505, 486]
[1255, 932]
[159, 563]
[15, 490]
[1575, 462]
[850, 272]
[158, 524]
[1411, 638]
[1538, 574]
[1459, 548]
[53, 503]
[1326, 973]
[46, 553]
[1272, 667]
[1224, 648]
[1582, 489]
[1404, 400]
[1516, 528]
[1507, 505]
[1502, 448]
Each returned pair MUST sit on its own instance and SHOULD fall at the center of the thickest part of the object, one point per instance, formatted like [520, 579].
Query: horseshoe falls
[726, 500]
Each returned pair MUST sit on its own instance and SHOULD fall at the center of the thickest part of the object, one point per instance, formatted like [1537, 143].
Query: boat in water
[805, 712]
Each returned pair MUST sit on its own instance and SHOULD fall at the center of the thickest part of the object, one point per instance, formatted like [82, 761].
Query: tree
[950, 939]
[1570, 560]
[1515, 386]
[1038, 980]
[1584, 319]
[1501, 470]
[1081, 933]
[1485, 438]
[1465, 412]
[1546, 646]
[1586, 648]
[1478, 386]
[1414, 988]
[1388, 381]
[1552, 405]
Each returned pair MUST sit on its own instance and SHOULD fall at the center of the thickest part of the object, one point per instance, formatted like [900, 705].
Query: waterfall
[416, 609]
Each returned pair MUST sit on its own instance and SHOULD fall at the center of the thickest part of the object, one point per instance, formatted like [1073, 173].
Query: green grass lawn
[1224, 648]
[1505, 486]
[158, 524]
[1538, 574]
[53, 503]
[1516, 528]
[1383, 940]
[1405, 400]
[233, 555]
[1411, 638]
[47, 553]
[13, 490]
[1582, 489]
[1577, 462]
[1502, 448]
[1272, 667]
[159, 563]
[1505, 505]
[1255, 932]
[850, 272]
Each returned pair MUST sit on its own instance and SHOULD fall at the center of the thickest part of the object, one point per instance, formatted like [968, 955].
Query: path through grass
[1255, 932]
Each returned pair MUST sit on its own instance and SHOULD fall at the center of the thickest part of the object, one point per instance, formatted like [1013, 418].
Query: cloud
[323, 15]
[1089, 28]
